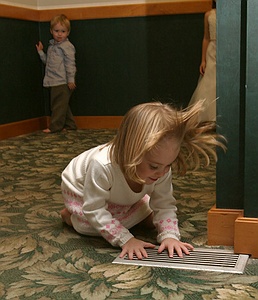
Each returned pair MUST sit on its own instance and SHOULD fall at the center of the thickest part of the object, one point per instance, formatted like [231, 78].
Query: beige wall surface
[21, 3]
[48, 4]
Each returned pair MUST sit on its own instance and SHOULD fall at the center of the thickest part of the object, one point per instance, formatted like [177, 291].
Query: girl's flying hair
[145, 125]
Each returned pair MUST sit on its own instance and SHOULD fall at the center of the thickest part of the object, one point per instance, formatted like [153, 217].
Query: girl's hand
[137, 247]
[173, 245]
[39, 46]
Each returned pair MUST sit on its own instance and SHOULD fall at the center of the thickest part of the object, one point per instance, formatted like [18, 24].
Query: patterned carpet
[41, 258]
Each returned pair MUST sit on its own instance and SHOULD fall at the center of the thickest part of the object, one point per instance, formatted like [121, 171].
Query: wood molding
[83, 122]
[221, 226]
[228, 227]
[22, 127]
[246, 236]
[19, 13]
[108, 11]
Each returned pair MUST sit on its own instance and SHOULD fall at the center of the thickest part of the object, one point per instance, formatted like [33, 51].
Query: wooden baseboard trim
[221, 226]
[83, 122]
[228, 227]
[22, 127]
[108, 11]
[246, 236]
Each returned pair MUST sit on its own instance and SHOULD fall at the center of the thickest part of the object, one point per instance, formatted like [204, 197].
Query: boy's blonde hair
[145, 125]
[63, 20]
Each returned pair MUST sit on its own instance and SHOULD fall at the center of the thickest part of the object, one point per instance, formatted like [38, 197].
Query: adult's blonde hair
[145, 125]
[63, 20]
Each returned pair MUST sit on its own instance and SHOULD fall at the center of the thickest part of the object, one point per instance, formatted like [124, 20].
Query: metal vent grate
[200, 259]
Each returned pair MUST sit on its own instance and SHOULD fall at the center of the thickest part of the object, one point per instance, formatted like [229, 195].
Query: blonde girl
[109, 189]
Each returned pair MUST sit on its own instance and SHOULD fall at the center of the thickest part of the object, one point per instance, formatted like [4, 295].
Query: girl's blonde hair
[63, 20]
[146, 124]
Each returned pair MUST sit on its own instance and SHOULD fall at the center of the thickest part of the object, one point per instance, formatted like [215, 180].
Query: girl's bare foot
[66, 216]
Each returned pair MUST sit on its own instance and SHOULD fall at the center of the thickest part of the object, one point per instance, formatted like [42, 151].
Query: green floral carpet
[41, 258]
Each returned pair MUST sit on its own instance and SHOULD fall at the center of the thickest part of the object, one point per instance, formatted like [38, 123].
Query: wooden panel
[20, 72]
[20, 13]
[130, 10]
[221, 223]
[229, 113]
[251, 117]
[22, 127]
[114, 11]
[32, 125]
[121, 62]
[246, 236]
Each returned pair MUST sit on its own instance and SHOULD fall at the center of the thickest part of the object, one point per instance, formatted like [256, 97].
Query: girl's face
[59, 32]
[157, 162]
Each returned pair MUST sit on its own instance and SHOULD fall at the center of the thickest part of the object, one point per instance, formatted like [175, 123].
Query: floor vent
[201, 259]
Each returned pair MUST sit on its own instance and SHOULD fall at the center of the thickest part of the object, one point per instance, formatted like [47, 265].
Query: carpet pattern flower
[42, 258]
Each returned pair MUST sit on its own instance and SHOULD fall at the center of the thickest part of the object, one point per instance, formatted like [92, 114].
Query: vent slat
[199, 259]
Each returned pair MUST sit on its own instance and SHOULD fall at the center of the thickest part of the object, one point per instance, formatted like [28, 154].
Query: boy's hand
[137, 247]
[39, 46]
[71, 85]
[173, 245]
